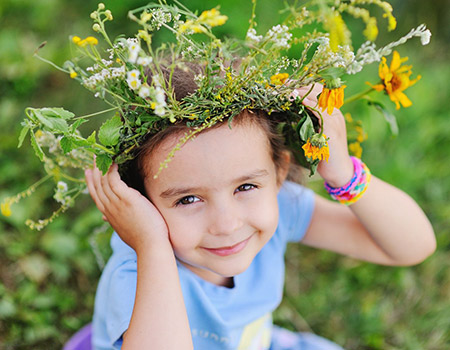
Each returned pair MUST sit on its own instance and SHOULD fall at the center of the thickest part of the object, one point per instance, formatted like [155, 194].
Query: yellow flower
[279, 79]
[76, 39]
[339, 33]
[91, 40]
[212, 18]
[193, 26]
[392, 21]
[395, 80]
[371, 31]
[355, 149]
[73, 74]
[6, 208]
[331, 98]
[317, 148]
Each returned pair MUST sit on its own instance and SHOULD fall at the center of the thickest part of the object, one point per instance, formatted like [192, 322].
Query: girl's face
[218, 197]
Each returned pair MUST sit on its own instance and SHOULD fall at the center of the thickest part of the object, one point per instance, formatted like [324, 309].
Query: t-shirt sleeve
[296, 205]
[120, 296]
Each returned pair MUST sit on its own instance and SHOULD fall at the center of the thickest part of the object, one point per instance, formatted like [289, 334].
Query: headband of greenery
[135, 78]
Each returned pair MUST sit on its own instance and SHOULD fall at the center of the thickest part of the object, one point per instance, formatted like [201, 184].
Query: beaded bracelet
[355, 188]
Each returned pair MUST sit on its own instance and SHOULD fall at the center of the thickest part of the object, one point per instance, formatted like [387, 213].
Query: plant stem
[358, 96]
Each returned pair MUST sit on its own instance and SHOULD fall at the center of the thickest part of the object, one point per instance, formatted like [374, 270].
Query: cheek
[184, 232]
[265, 214]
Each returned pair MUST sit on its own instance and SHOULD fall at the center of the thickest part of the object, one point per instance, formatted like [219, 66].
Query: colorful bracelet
[355, 188]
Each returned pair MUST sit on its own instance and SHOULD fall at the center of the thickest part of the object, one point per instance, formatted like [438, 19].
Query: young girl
[198, 262]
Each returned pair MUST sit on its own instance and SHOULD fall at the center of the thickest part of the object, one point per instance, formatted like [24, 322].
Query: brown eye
[187, 200]
[245, 187]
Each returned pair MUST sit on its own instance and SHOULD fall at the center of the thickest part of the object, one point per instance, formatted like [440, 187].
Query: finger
[118, 186]
[311, 91]
[98, 186]
[92, 190]
[106, 185]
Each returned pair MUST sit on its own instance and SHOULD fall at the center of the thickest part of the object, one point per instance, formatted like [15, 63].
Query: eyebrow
[176, 192]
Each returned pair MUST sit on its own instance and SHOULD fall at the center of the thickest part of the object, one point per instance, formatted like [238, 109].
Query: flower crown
[134, 77]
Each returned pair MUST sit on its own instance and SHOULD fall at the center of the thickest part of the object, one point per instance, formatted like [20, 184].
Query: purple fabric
[81, 340]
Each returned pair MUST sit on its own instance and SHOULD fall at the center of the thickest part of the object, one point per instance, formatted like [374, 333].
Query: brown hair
[134, 171]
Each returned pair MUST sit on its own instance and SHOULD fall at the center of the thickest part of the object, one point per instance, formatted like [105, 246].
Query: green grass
[48, 278]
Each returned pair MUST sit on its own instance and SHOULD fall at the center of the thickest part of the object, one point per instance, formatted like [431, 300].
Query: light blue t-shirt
[219, 317]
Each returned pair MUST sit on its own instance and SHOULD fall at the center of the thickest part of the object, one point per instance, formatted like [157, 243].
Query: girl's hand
[339, 168]
[133, 217]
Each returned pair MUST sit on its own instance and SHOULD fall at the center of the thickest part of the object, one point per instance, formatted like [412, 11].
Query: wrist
[154, 246]
[353, 190]
[343, 176]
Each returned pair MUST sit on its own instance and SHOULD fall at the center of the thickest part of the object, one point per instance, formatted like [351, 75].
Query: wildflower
[73, 74]
[146, 16]
[371, 31]
[133, 79]
[6, 208]
[133, 50]
[76, 39]
[355, 149]
[339, 33]
[91, 40]
[144, 61]
[331, 98]
[425, 37]
[213, 18]
[392, 21]
[144, 91]
[280, 36]
[317, 148]
[279, 79]
[251, 36]
[395, 80]
[191, 26]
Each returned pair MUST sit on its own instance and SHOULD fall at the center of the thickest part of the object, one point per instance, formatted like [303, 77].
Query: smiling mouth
[225, 251]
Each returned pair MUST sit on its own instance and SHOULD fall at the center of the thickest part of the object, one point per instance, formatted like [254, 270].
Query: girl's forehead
[221, 153]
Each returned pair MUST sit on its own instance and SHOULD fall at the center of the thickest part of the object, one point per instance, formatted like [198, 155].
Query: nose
[225, 218]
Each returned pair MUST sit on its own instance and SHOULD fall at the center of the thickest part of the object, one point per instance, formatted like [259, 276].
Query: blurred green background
[48, 278]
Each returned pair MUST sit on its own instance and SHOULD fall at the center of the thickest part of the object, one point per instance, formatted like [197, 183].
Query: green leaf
[91, 139]
[50, 119]
[109, 132]
[103, 162]
[57, 112]
[332, 73]
[390, 118]
[77, 124]
[306, 130]
[67, 144]
[22, 135]
[36, 147]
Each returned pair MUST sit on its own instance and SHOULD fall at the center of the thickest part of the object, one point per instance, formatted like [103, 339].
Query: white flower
[251, 36]
[280, 36]
[61, 186]
[133, 50]
[144, 61]
[144, 91]
[425, 37]
[160, 101]
[133, 79]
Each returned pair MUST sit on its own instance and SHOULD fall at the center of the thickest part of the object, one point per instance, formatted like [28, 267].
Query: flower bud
[101, 6]
[96, 27]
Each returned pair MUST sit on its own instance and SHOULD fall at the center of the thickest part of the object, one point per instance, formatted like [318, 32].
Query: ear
[283, 169]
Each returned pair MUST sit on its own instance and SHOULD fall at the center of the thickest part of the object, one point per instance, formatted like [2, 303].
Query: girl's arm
[385, 226]
[159, 319]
